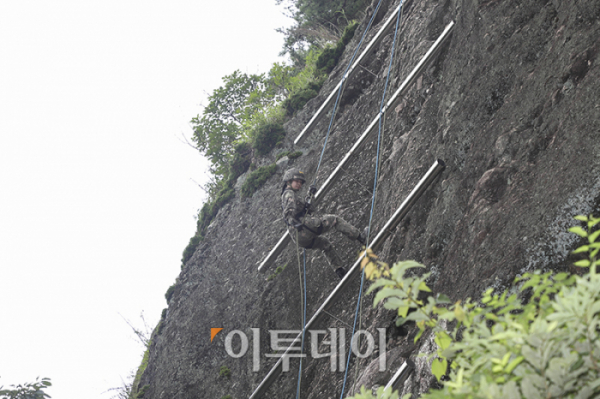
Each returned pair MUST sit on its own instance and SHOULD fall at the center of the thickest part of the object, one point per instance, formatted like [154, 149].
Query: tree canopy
[317, 22]
[229, 108]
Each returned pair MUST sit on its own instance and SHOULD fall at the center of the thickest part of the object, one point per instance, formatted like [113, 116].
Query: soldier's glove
[307, 208]
[312, 189]
[297, 225]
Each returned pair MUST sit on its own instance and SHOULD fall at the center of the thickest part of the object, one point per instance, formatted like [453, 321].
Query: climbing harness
[299, 215]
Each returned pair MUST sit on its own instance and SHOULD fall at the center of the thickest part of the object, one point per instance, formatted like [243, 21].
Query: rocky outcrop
[512, 105]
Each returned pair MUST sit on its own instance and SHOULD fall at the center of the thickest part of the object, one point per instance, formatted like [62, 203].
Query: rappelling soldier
[308, 227]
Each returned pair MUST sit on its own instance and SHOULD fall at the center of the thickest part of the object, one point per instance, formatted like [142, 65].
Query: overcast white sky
[97, 198]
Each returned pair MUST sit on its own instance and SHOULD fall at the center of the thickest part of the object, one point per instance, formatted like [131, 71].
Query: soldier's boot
[341, 272]
[362, 237]
[331, 254]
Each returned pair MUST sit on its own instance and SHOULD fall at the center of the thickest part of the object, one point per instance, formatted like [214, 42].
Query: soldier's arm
[289, 207]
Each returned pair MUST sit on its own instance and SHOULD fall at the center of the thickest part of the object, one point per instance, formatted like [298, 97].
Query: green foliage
[240, 162]
[124, 391]
[144, 335]
[208, 212]
[229, 108]
[546, 347]
[303, 85]
[224, 196]
[332, 53]
[140, 394]
[256, 179]
[267, 131]
[191, 247]
[349, 32]
[278, 271]
[319, 62]
[133, 389]
[138, 375]
[226, 397]
[225, 372]
[267, 137]
[317, 22]
[161, 323]
[299, 98]
[329, 58]
[169, 293]
[29, 390]
[289, 154]
[246, 115]
[294, 79]
[294, 155]
[206, 215]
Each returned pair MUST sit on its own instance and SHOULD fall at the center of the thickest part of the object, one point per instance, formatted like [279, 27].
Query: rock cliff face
[511, 104]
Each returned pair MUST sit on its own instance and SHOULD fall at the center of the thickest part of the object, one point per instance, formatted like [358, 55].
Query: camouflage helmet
[294, 174]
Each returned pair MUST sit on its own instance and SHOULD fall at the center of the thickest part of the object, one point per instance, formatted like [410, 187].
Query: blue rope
[303, 330]
[317, 172]
[362, 280]
[340, 89]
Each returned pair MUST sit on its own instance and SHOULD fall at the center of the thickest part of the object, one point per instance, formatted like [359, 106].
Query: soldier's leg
[331, 254]
[334, 221]
[305, 238]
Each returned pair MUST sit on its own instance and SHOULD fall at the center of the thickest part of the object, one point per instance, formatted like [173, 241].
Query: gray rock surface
[512, 105]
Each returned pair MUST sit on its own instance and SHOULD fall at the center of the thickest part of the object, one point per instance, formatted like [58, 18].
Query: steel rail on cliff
[371, 47]
[401, 375]
[393, 101]
[437, 167]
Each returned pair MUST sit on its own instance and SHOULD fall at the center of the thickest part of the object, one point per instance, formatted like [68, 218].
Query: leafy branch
[538, 339]
[29, 390]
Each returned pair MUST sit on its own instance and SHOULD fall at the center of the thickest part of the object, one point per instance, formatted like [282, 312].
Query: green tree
[30, 390]
[538, 339]
[229, 109]
[316, 23]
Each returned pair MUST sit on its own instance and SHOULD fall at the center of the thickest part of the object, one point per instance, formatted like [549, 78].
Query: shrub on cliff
[318, 21]
[298, 99]
[290, 154]
[498, 346]
[240, 161]
[332, 53]
[268, 131]
[257, 179]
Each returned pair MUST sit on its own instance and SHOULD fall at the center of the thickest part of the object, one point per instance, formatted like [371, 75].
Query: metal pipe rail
[427, 58]
[401, 375]
[389, 24]
[410, 200]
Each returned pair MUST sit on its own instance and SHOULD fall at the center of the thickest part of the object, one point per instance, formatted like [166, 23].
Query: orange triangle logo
[213, 332]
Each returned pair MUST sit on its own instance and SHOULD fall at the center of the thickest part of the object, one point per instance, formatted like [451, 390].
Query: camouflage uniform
[309, 235]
